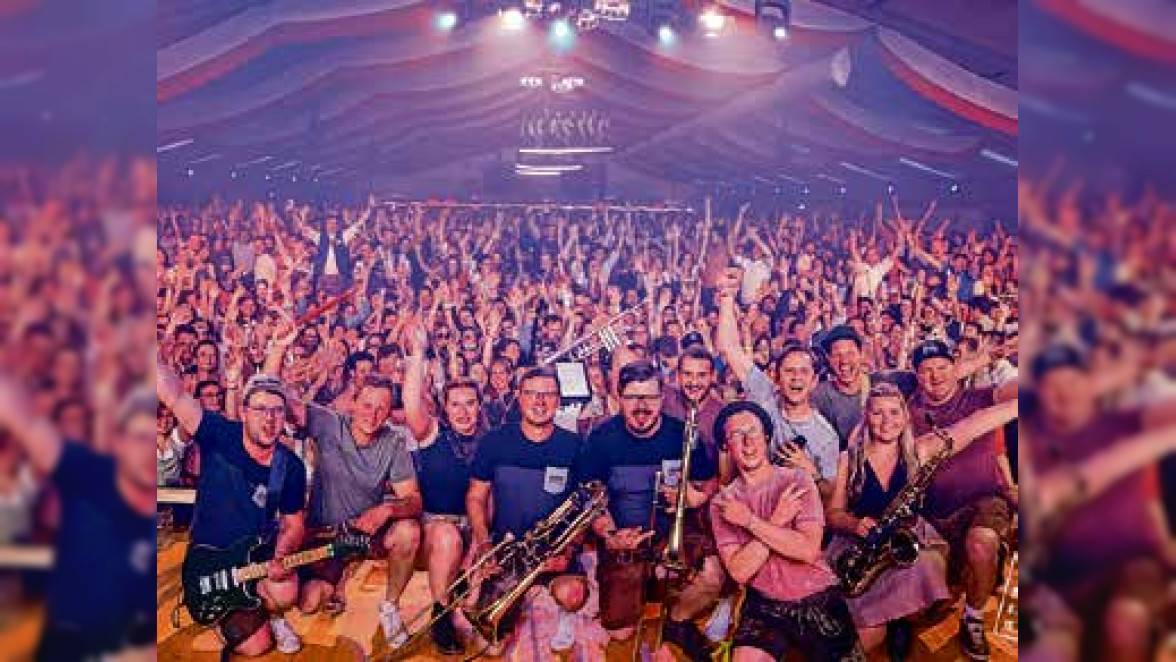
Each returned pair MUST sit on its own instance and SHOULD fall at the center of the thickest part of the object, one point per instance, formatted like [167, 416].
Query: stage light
[512, 19]
[191, 172]
[712, 22]
[890, 189]
[233, 174]
[955, 188]
[665, 35]
[780, 33]
[446, 21]
[562, 35]
[774, 17]
[841, 190]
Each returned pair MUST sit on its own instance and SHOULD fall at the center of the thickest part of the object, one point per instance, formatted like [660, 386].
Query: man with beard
[443, 450]
[971, 498]
[626, 452]
[696, 381]
[233, 499]
[768, 525]
[803, 437]
[100, 591]
[529, 469]
[363, 478]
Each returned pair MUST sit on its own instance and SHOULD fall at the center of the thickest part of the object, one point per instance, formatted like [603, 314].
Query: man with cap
[1105, 559]
[972, 496]
[239, 495]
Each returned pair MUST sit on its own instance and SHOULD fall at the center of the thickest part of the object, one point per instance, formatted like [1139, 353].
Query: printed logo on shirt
[142, 556]
[259, 495]
[555, 481]
[671, 472]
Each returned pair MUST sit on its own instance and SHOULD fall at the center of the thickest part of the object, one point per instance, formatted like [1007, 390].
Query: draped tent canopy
[367, 93]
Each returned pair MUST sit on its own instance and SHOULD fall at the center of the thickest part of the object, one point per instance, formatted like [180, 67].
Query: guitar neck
[260, 570]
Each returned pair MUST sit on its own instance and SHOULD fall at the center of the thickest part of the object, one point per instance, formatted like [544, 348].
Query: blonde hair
[860, 437]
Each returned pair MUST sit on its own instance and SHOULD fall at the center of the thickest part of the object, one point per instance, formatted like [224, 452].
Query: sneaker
[392, 626]
[443, 632]
[565, 632]
[720, 622]
[972, 640]
[285, 638]
[687, 637]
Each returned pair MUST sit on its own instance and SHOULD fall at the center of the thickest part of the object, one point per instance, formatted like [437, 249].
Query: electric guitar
[219, 581]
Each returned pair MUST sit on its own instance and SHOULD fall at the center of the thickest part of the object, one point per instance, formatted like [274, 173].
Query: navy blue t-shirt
[628, 464]
[232, 491]
[443, 472]
[529, 479]
[103, 581]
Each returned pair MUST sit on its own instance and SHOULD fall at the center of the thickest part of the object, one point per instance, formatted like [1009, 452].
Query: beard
[642, 422]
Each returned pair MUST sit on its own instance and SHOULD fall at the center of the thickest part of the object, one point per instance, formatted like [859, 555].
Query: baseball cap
[931, 349]
[1057, 356]
[263, 382]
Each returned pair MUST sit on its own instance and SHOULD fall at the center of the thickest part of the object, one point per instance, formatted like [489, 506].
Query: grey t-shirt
[822, 443]
[349, 479]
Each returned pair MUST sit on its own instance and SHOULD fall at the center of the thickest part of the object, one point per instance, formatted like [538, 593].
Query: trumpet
[609, 337]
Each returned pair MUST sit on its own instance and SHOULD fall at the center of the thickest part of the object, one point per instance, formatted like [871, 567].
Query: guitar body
[219, 581]
[210, 591]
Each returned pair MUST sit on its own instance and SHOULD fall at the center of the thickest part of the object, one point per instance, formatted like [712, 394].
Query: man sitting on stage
[528, 468]
[768, 524]
[360, 459]
[233, 499]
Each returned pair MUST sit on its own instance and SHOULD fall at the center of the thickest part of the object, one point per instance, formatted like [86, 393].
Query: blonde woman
[883, 455]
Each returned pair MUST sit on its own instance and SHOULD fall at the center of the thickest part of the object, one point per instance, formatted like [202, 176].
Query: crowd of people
[76, 274]
[401, 353]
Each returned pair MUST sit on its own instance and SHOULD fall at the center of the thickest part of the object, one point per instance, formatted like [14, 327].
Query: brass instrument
[673, 558]
[609, 337]
[894, 541]
[517, 564]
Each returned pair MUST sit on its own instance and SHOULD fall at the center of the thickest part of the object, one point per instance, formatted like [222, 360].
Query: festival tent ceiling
[860, 94]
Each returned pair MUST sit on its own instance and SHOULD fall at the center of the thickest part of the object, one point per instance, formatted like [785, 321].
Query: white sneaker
[565, 632]
[392, 626]
[286, 639]
[720, 621]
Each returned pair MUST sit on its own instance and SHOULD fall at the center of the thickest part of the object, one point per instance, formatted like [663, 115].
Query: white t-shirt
[755, 274]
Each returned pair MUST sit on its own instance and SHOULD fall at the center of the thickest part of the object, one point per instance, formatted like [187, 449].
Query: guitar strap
[273, 498]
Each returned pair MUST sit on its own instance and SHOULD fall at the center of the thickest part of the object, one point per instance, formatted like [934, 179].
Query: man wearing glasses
[233, 499]
[529, 469]
[626, 452]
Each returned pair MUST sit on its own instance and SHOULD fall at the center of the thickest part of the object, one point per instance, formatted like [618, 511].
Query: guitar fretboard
[259, 570]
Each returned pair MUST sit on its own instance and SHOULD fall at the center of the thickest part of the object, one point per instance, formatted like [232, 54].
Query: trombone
[608, 337]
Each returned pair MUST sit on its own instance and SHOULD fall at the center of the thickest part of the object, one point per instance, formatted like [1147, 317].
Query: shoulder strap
[273, 498]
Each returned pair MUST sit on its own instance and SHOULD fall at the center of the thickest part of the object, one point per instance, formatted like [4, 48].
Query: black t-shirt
[443, 472]
[103, 581]
[529, 479]
[232, 492]
[628, 464]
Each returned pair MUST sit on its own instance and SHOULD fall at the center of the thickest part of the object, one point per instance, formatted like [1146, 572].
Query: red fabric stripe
[1124, 37]
[948, 99]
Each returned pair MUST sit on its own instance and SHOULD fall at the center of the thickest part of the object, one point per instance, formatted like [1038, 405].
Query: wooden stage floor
[354, 635]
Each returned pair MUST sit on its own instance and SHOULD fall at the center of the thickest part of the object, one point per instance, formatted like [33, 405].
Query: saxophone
[515, 565]
[893, 542]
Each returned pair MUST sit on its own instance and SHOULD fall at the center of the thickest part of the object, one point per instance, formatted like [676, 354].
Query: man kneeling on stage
[768, 525]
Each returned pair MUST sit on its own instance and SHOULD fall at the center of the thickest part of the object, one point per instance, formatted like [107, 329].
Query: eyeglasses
[541, 395]
[272, 412]
[649, 399]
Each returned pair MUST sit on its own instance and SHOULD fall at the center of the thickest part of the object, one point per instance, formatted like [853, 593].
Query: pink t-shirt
[779, 578]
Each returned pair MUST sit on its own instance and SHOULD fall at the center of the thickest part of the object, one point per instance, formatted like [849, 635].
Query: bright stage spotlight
[445, 21]
[780, 33]
[511, 19]
[712, 22]
[665, 35]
